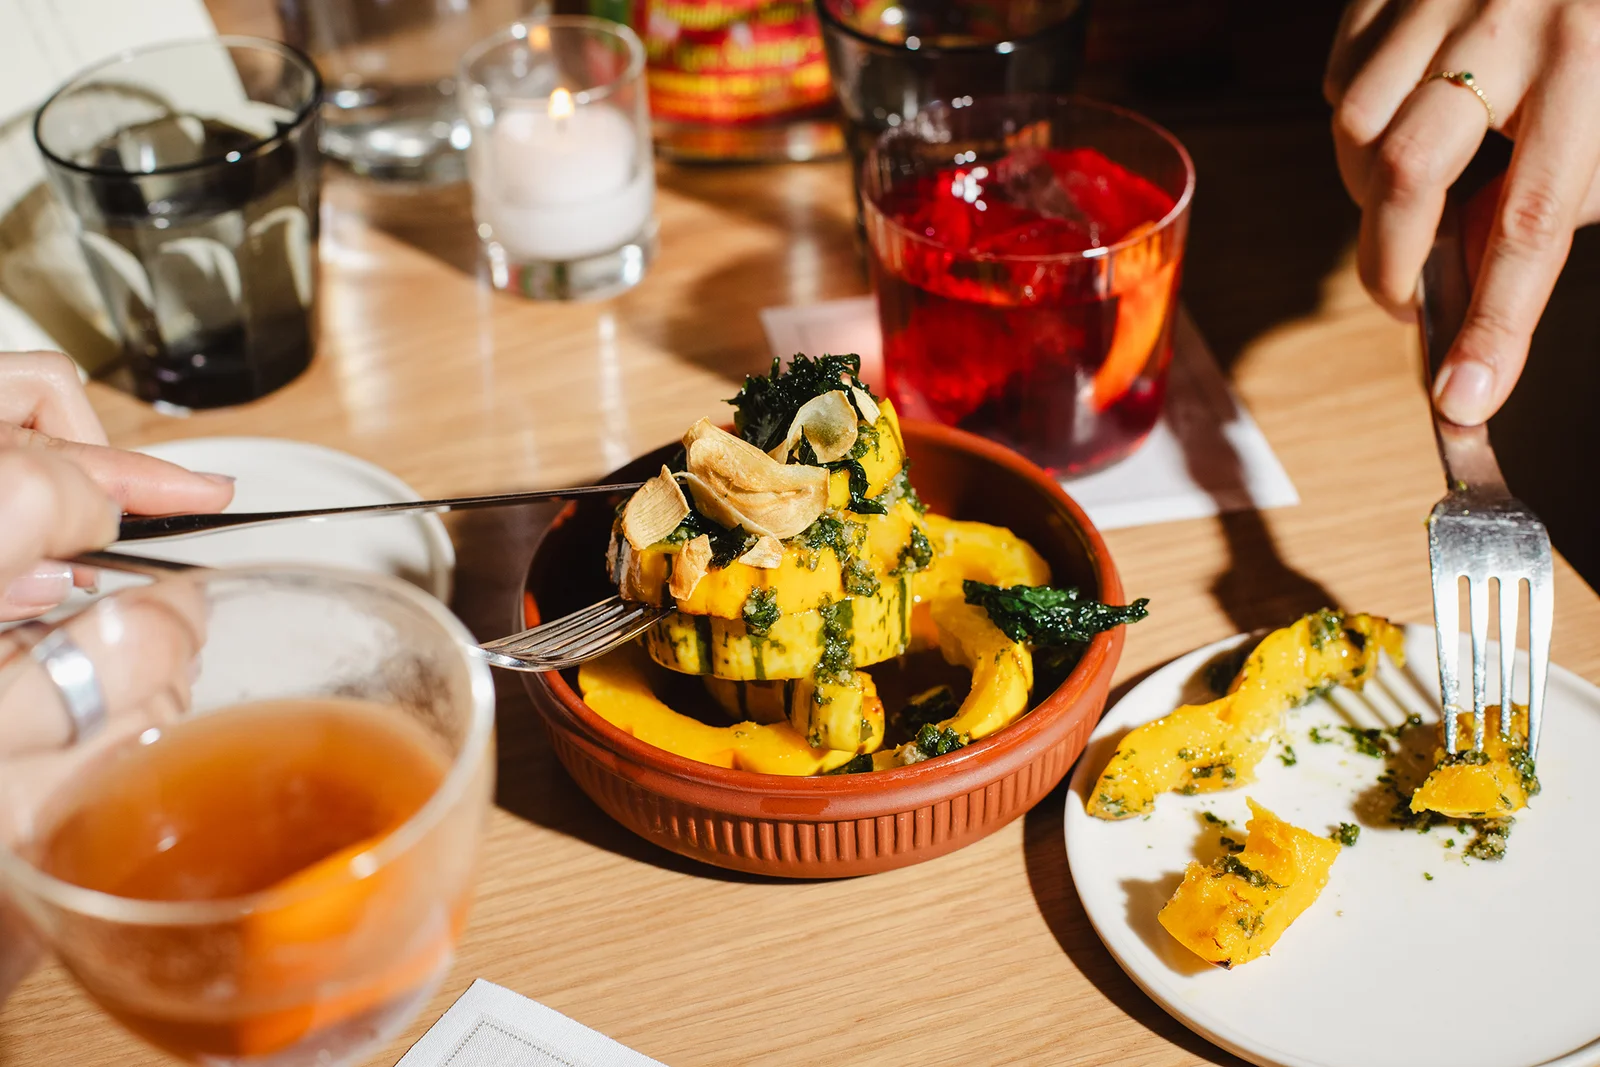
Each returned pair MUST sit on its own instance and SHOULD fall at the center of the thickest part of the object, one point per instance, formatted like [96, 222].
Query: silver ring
[72, 673]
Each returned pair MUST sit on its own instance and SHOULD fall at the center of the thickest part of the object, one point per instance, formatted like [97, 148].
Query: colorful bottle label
[728, 61]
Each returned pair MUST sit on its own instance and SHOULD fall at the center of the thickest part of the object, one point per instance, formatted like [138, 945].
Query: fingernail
[220, 479]
[45, 586]
[1465, 392]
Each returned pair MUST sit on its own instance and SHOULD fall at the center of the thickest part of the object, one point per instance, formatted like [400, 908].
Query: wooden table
[984, 956]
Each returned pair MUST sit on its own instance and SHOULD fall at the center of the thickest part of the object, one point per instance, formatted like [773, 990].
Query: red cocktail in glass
[1026, 255]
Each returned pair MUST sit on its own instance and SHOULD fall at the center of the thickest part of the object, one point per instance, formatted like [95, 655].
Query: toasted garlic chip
[766, 553]
[828, 422]
[737, 484]
[869, 407]
[654, 511]
[690, 566]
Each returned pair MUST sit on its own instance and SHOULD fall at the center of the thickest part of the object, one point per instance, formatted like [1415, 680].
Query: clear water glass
[391, 113]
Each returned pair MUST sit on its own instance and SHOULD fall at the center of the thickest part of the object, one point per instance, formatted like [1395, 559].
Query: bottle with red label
[734, 79]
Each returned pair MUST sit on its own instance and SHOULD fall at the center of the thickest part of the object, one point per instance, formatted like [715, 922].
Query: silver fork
[552, 646]
[1479, 531]
[568, 641]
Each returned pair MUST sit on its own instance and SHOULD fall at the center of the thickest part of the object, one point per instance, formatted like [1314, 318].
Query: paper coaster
[490, 1026]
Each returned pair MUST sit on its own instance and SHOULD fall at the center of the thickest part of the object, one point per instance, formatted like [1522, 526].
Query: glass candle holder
[1026, 256]
[563, 181]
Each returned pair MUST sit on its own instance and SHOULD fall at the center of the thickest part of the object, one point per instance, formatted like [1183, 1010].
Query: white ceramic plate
[1486, 965]
[277, 475]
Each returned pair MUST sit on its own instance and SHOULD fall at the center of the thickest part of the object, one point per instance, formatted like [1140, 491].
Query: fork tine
[535, 643]
[641, 619]
[1478, 614]
[1510, 594]
[1447, 632]
[591, 644]
[1541, 613]
[555, 627]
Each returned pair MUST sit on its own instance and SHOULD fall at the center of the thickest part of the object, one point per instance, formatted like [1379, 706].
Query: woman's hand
[62, 490]
[1402, 140]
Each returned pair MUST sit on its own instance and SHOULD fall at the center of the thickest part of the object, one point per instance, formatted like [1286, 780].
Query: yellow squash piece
[882, 457]
[828, 715]
[1487, 784]
[800, 582]
[963, 550]
[766, 702]
[617, 687]
[1232, 911]
[976, 550]
[874, 628]
[1002, 669]
[1201, 748]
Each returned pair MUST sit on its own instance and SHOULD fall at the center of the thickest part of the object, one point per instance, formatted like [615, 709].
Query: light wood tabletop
[984, 956]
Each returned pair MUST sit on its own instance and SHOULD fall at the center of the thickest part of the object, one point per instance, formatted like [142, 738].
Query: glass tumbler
[319, 967]
[891, 59]
[1026, 253]
[192, 175]
[563, 180]
[391, 113]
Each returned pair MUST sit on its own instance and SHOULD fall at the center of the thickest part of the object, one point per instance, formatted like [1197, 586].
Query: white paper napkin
[490, 1026]
[1205, 457]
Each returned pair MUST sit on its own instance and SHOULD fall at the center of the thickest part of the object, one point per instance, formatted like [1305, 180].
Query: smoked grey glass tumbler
[191, 172]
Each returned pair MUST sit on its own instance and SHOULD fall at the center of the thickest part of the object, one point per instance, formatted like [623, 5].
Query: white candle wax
[564, 186]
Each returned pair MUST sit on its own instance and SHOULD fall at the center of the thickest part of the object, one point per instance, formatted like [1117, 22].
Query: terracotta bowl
[838, 825]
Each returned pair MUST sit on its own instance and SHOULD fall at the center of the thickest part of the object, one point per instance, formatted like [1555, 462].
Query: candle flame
[561, 104]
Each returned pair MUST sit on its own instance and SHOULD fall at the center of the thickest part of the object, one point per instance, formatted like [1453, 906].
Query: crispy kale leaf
[726, 545]
[858, 765]
[1042, 615]
[933, 741]
[766, 406]
[927, 709]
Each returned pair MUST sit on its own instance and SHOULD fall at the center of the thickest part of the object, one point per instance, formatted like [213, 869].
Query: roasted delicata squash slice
[617, 687]
[842, 716]
[1488, 783]
[1002, 669]
[1201, 748]
[1234, 910]
[837, 556]
[979, 551]
[844, 634]
[962, 550]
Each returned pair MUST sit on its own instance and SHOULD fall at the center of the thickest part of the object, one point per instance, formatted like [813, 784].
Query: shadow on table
[436, 221]
[802, 250]
[1051, 882]
[1270, 223]
[492, 550]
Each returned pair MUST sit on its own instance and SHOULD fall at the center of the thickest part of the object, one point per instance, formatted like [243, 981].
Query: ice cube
[1029, 181]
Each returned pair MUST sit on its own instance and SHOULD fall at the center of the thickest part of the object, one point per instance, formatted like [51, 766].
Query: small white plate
[278, 475]
[1486, 965]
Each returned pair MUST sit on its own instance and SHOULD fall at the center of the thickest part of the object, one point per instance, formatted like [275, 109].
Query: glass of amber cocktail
[270, 862]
